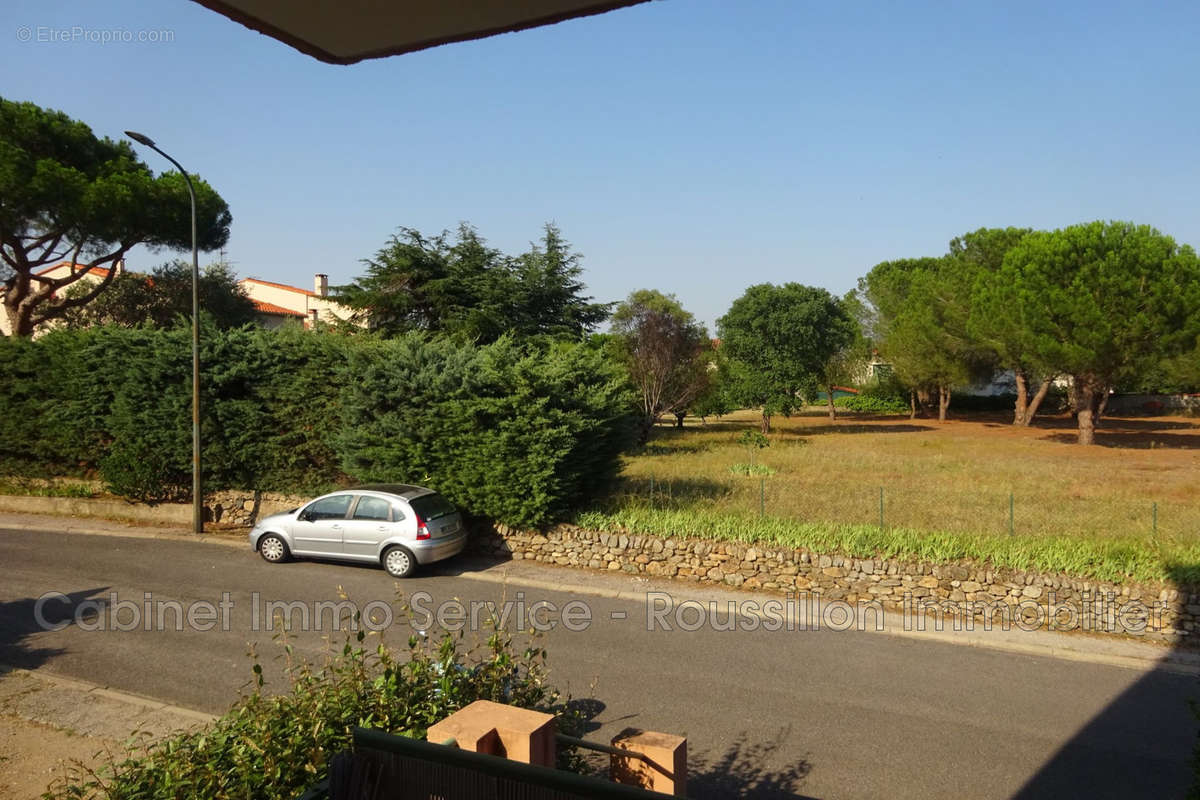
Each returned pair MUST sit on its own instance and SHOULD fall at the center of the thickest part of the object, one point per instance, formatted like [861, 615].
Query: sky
[696, 147]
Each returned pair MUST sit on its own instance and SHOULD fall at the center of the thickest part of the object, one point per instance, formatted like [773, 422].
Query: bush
[517, 433]
[144, 474]
[868, 404]
[275, 745]
[885, 396]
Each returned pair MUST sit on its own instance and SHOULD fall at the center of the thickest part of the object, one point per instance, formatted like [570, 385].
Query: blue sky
[691, 146]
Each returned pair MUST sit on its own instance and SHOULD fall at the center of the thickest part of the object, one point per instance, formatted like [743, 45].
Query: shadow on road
[743, 771]
[1132, 747]
[22, 619]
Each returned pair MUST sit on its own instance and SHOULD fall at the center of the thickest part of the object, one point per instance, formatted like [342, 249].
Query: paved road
[767, 713]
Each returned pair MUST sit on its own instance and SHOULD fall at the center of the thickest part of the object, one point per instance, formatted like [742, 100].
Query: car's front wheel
[273, 548]
[398, 562]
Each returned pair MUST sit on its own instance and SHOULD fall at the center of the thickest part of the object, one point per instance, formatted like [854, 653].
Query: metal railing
[400, 768]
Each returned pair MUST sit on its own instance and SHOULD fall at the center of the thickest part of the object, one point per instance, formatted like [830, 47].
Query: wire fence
[966, 510]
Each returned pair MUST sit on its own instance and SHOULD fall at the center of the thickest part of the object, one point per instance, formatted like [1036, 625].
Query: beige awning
[346, 31]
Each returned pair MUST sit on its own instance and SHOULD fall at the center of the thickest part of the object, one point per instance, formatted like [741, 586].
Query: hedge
[518, 432]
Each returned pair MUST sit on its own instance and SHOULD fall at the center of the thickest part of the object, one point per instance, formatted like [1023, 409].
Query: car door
[320, 525]
[372, 520]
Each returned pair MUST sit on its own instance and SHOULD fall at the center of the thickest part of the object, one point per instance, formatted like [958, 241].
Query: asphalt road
[767, 713]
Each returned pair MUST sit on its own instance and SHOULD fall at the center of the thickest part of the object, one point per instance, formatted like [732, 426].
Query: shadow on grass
[1125, 437]
[877, 424]
[21, 620]
[673, 492]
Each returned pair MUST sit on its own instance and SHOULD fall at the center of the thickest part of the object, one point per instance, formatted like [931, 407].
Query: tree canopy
[66, 195]
[459, 286]
[1100, 302]
[779, 339]
[163, 297]
[666, 352]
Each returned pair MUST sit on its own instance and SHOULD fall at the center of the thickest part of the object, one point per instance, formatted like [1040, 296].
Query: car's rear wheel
[398, 562]
[273, 548]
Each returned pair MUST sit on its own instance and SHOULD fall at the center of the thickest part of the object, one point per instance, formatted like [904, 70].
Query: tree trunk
[912, 404]
[766, 422]
[1021, 410]
[644, 429]
[1102, 405]
[832, 408]
[1088, 399]
[679, 419]
[943, 402]
[1036, 402]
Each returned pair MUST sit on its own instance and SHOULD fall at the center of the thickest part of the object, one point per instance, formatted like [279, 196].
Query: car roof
[404, 490]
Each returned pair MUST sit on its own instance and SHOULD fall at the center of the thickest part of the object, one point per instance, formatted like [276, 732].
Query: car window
[330, 507]
[431, 506]
[373, 508]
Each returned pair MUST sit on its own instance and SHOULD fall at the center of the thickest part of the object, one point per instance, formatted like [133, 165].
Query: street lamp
[197, 498]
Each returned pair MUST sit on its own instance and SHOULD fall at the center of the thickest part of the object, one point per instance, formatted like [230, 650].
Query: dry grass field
[974, 486]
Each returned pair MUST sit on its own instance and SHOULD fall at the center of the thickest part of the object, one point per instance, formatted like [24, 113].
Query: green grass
[1104, 559]
[979, 489]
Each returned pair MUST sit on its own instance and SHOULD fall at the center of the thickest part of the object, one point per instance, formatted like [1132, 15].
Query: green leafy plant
[871, 404]
[751, 469]
[273, 745]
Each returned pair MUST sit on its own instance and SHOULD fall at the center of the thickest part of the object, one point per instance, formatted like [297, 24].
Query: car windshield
[431, 506]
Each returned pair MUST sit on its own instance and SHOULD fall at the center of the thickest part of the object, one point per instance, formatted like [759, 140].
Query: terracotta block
[514, 733]
[663, 770]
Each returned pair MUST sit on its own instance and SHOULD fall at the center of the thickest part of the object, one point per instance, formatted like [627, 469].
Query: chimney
[321, 285]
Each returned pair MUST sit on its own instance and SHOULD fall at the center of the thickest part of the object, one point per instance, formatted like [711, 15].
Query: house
[61, 270]
[278, 303]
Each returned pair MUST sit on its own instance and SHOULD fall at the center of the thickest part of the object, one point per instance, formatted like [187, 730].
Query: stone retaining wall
[242, 508]
[959, 591]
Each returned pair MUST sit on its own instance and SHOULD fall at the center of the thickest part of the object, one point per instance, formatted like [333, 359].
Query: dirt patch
[32, 755]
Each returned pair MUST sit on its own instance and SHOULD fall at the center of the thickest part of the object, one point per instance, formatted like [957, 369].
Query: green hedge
[516, 432]
[870, 404]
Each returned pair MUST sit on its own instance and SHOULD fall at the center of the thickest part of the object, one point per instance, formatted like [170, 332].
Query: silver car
[397, 525]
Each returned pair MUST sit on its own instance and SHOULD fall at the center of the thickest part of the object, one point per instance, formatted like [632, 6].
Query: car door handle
[336, 527]
[383, 528]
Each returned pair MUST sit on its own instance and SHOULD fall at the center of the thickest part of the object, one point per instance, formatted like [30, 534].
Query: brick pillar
[666, 770]
[507, 731]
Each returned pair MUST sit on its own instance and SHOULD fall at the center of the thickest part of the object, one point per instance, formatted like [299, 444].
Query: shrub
[274, 745]
[141, 473]
[517, 433]
[869, 404]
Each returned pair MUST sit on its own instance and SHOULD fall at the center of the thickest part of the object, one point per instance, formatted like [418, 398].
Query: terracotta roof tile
[271, 308]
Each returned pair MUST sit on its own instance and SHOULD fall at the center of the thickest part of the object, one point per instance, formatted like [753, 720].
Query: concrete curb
[97, 527]
[118, 696]
[130, 708]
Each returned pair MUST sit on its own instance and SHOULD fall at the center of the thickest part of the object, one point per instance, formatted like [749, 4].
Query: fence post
[880, 508]
[1154, 508]
[1010, 514]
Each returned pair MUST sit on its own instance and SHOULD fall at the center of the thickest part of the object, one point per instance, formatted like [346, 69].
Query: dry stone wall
[959, 591]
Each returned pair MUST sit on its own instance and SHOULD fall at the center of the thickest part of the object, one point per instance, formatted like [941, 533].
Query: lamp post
[197, 496]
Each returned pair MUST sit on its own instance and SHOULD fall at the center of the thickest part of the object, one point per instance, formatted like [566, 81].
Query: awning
[346, 31]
